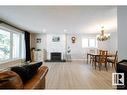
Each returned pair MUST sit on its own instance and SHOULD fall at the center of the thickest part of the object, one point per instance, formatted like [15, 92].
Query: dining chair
[102, 59]
[91, 57]
[96, 59]
[113, 60]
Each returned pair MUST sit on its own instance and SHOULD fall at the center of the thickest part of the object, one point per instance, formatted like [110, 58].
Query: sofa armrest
[10, 80]
[38, 80]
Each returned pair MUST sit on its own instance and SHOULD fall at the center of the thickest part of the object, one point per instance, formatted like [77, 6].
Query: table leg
[95, 61]
[87, 58]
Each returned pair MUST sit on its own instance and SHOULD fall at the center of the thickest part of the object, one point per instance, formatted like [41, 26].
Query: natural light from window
[92, 42]
[12, 45]
[84, 42]
[89, 43]
[4, 45]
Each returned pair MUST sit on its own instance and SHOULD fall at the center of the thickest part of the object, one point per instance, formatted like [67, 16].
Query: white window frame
[96, 44]
[19, 44]
[11, 31]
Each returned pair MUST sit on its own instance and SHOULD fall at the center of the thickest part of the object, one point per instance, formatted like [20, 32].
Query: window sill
[10, 60]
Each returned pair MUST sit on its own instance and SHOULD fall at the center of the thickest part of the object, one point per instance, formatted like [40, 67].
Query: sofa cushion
[32, 69]
[26, 72]
[22, 72]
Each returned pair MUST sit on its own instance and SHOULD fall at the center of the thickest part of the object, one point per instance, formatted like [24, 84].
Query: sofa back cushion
[32, 69]
[26, 72]
[22, 72]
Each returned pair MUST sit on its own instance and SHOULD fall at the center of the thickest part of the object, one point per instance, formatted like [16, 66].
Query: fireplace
[55, 56]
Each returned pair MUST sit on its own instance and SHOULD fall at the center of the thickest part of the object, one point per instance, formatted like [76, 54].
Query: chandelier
[103, 36]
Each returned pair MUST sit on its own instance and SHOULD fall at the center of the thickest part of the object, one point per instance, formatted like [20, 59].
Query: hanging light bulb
[103, 36]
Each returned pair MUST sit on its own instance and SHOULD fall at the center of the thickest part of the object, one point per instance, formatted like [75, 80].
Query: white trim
[11, 44]
[10, 60]
[9, 28]
[77, 59]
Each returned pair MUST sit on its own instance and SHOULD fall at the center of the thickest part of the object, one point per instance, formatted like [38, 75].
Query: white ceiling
[60, 19]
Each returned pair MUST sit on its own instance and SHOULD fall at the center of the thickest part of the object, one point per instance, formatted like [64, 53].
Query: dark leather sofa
[12, 80]
[122, 68]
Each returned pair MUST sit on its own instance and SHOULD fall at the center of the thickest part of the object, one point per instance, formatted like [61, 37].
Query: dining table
[95, 55]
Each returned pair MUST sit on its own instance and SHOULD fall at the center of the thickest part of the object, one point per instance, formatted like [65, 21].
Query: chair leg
[95, 64]
[100, 66]
[92, 63]
[106, 66]
[115, 65]
[112, 65]
[108, 63]
[90, 60]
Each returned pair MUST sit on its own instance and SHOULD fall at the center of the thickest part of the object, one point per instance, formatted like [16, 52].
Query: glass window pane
[84, 42]
[92, 43]
[16, 50]
[4, 45]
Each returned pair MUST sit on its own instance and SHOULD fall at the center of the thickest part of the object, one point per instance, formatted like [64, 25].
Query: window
[4, 45]
[84, 42]
[16, 44]
[11, 45]
[89, 42]
[92, 42]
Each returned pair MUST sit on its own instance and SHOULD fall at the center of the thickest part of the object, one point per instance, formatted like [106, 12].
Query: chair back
[116, 57]
[103, 56]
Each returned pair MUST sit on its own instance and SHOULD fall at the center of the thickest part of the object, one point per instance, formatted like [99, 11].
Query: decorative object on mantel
[55, 39]
[103, 36]
[73, 39]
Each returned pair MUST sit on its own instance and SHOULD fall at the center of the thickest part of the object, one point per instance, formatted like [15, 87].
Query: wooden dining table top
[97, 54]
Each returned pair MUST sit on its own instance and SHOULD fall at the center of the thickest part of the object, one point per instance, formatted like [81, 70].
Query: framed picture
[38, 40]
[55, 39]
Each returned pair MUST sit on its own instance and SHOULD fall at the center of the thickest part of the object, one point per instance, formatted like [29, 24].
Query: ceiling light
[103, 36]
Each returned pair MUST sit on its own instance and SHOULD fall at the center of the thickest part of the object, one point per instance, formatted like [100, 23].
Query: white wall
[122, 32]
[32, 40]
[104, 45]
[114, 41]
[76, 48]
[77, 52]
[34, 43]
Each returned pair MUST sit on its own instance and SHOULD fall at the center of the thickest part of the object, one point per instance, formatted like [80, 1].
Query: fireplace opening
[55, 56]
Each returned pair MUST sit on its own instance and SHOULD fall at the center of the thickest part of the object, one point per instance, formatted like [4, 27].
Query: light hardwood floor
[77, 75]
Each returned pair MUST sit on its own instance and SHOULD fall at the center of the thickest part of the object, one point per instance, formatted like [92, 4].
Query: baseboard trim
[78, 59]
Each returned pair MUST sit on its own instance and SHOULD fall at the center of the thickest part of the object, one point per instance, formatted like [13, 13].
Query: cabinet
[38, 55]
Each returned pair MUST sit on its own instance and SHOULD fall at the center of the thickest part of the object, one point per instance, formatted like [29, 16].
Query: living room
[61, 37]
